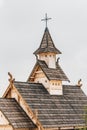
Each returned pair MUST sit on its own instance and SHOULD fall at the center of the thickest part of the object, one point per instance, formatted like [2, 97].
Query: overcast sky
[21, 32]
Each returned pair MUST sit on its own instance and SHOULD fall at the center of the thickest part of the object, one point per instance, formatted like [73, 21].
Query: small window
[58, 84]
[45, 55]
[50, 55]
[46, 81]
[52, 83]
[55, 83]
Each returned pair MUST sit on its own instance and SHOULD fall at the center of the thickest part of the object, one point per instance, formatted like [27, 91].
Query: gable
[50, 73]
[32, 120]
[37, 73]
[14, 113]
[3, 119]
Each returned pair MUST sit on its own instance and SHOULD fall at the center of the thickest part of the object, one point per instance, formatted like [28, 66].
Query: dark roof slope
[47, 44]
[15, 114]
[51, 73]
[55, 74]
[55, 111]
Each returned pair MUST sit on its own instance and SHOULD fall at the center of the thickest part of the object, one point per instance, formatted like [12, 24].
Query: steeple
[47, 50]
[47, 44]
[47, 69]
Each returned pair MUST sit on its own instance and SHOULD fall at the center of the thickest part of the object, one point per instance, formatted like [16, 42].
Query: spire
[47, 44]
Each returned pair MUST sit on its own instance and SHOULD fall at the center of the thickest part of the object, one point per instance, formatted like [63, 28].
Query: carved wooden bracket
[11, 80]
[79, 83]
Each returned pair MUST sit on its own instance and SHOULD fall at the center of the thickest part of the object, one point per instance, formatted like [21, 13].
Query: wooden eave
[7, 90]
[66, 127]
[32, 73]
[47, 44]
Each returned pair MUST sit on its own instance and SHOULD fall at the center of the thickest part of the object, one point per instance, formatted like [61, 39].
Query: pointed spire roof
[47, 44]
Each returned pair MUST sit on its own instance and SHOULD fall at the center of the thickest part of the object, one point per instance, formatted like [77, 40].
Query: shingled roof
[47, 44]
[15, 114]
[55, 111]
[51, 73]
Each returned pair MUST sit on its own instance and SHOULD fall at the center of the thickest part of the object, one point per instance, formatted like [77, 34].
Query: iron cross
[46, 19]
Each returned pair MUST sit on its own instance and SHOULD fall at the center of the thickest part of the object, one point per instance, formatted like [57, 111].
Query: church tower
[47, 50]
[47, 69]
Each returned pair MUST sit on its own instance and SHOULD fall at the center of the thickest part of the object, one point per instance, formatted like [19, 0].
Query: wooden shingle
[15, 114]
[55, 110]
[47, 44]
[51, 73]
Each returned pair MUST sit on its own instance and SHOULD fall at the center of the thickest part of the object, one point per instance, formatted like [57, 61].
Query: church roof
[47, 44]
[55, 111]
[15, 114]
[51, 73]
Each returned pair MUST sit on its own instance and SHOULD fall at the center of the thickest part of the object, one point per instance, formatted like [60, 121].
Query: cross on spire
[46, 19]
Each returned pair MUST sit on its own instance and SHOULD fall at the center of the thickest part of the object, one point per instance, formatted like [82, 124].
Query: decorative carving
[79, 82]
[58, 60]
[36, 57]
[11, 80]
[36, 112]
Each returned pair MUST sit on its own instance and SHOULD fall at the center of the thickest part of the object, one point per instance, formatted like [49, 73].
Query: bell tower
[47, 50]
[47, 69]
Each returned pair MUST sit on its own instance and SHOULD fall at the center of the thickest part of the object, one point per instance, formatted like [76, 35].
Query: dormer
[51, 78]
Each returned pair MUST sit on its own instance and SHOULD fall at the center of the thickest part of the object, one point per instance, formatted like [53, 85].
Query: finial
[46, 19]
[11, 80]
[79, 82]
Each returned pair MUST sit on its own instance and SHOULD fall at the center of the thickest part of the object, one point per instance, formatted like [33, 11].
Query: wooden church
[43, 102]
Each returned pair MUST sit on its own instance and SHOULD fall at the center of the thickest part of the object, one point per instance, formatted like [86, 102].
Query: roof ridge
[43, 61]
[26, 82]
